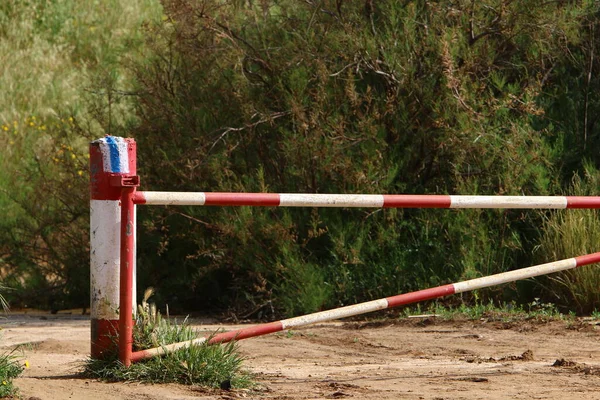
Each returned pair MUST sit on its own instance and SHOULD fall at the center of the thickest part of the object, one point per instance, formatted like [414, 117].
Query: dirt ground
[419, 358]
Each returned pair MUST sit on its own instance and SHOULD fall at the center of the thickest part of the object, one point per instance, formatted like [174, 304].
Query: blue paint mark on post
[115, 162]
[115, 156]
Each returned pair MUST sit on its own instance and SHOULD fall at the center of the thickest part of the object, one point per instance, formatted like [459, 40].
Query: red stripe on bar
[258, 330]
[139, 198]
[587, 259]
[140, 355]
[415, 201]
[241, 199]
[588, 202]
[252, 331]
[420, 295]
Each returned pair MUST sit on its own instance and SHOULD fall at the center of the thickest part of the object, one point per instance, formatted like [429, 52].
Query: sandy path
[385, 360]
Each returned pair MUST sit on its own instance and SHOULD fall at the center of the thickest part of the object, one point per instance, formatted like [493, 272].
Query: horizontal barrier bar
[363, 200]
[381, 304]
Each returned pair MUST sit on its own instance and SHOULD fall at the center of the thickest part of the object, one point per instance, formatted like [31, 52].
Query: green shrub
[10, 368]
[64, 81]
[440, 97]
[573, 233]
[298, 97]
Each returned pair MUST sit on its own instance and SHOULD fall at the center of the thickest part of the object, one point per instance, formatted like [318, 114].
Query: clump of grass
[10, 368]
[3, 302]
[203, 365]
[198, 364]
[569, 234]
[505, 312]
[152, 330]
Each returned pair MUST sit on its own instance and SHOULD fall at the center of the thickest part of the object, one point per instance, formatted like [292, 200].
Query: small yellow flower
[33, 117]
[4, 383]
[43, 127]
[72, 156]
[70, 119]
[26, 363]
[80, 172]
[11, 142]
[32, 123]
[4, 128]
[87, 155]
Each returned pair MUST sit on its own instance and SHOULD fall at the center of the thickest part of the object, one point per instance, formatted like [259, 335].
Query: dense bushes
[348, 97]
[63, 82]
[450, 97]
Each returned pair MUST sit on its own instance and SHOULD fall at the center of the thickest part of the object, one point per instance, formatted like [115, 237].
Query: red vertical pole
[128, 184]
[126, 284]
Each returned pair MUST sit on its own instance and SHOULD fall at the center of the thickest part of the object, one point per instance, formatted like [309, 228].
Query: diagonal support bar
[380, 304]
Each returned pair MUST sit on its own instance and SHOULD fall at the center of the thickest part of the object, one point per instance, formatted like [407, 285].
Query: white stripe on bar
[330, 200]
[336, 313]
[166, 349]
[175, 198]
[556, 202]
[515, 275]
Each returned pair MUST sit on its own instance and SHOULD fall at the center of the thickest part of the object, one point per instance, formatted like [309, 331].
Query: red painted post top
[110, 156]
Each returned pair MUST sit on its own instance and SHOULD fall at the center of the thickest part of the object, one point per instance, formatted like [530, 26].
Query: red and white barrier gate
[114, 195]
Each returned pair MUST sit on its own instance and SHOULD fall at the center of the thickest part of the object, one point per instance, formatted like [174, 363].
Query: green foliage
[43, 236]
[457, 97]
[64, 81]
[566, 235]
[197, 364]
[3, 302]
[10, 368]
[152, 330]
[571, 103]
[504, 312]
[394, 97]
[204, 365]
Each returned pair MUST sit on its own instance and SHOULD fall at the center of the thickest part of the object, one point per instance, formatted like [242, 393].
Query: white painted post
[109, 157]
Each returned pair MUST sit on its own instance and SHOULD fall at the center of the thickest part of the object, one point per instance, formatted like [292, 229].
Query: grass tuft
[10, 368]
[152, 330]
[505, 312]
[3, 302]
[199, 364]
[570, 234]
[203, 365]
